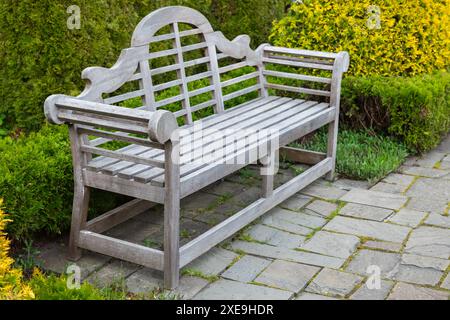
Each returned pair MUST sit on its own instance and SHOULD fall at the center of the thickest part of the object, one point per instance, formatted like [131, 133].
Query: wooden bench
[180, 72]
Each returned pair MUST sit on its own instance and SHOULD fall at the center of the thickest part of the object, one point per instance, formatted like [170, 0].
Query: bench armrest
[339, 62]
[158, 125]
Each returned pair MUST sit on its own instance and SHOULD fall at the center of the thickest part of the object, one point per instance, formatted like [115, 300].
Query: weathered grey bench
[155, 165]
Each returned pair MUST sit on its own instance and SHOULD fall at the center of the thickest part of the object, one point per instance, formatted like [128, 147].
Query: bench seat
[277, 114]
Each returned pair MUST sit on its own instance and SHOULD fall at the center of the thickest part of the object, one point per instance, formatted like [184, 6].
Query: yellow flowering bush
[11, 281]
[383, 37]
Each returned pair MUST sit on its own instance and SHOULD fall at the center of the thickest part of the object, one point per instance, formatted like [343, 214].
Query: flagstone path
[330, 241]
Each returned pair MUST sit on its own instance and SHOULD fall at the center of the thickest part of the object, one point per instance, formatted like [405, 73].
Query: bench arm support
[158, 125]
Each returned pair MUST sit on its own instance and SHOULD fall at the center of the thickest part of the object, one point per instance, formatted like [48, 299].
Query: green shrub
[54, 287]
[41, 56]
[36, 181]
[416, 109]
[361, 155]
[412, 36]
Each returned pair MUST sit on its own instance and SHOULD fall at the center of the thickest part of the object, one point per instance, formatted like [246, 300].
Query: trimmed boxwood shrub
[36, 182]
[41, 56]
[383, 37]
[414, 109]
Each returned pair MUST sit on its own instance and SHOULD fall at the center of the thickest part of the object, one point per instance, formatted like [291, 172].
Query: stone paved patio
[317, 245]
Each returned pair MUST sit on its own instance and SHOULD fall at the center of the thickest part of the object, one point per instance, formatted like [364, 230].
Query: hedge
[41, 56]
[412, 36]
[414, 109]
[12, 286]
[36, 182]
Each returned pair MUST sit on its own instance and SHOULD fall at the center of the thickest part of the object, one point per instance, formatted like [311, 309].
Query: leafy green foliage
[362, 154]
[416, 109]
[54, 287]
[383, 37]
[36, 181]
[41, 56]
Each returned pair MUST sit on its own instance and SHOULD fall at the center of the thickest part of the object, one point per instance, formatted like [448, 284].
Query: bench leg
[333, 129]
[268, 171]
[79, 218]
[171, 222]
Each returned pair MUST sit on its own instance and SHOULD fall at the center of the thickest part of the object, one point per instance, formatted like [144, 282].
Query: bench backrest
[177, 62]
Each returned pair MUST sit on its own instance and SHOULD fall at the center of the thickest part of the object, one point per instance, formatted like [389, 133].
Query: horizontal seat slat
[122, 156]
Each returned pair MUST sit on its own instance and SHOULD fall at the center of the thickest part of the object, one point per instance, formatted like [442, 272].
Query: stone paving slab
[333, 282]
[404, 291]
[285, 225]
[324, 190]
[408, 217]
[446, 282]
[365, 212]
[383, 245]
[430, 160]
[53, 258]
[347, 184]
[213, 262]
[429, 241]
[332, 244]
[299, 218]
[287, 275]
[287, 254]
[427, 205]
[370, 229]
[313, 297]
[296, 202]
[399, 179]
[232, 290]
[113, 272]
[386, 261]
[423, 172]
[435, 189]
[322, 208]
[389, 188]
[246, 269]
[148, 280]
[438, 220]
[262, 233]
[375, 199]
[364, 293]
